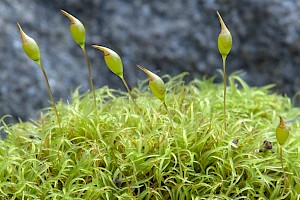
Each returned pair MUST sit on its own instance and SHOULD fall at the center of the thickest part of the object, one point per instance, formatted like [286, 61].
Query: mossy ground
[126, 152]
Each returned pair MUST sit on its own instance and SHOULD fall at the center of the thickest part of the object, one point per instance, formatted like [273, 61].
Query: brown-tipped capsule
[282, 132]
[224, 39]
[112, 60]
[30, 47]
[156, 84]
[76, 28]
[114, 63]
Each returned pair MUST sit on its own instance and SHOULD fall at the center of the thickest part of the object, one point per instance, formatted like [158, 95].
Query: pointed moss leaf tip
[76, 28]
[282, 132]
[156, 84]
[112, 60]
[224, 39]
[30, 47]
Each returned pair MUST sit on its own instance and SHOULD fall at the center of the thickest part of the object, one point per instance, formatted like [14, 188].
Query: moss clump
[149, 153]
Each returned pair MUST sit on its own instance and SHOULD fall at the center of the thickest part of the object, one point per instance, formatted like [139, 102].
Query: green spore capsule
[156, 84]
[282, 132]
[112, 60]
[114, 63]
[30, 47]
[76, 28]
[224, 39]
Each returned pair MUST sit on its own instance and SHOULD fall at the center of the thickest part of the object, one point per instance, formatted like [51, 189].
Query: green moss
[148, 153]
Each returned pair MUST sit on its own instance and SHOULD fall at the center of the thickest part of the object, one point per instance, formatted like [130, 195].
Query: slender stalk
[50, 93]
[224, 80]
[281, 159]
[127, 88]
[129, 92]
[165, 105]
[90, 75]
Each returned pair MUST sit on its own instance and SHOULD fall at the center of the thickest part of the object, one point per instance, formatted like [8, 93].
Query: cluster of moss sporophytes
[201, 141]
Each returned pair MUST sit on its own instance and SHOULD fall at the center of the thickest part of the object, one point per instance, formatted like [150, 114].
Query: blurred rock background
[169, 36]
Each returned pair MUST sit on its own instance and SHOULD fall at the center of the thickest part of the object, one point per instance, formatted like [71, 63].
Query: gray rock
[168, 36]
